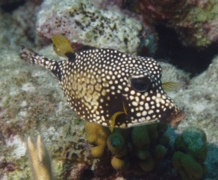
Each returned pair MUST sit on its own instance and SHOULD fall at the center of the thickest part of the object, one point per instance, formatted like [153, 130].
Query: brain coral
[83, 23]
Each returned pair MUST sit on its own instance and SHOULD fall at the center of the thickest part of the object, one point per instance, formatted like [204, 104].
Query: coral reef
[117, 142]
[17, 28]
[194, 21]
[199, 100]
[31, 104]
[191, 151]
[197, 28]
[63, 133]
[96, 135]
[108, 4]
[156, 10]
[39, 160]
[83, 23]
[22, 117]
[137, 150]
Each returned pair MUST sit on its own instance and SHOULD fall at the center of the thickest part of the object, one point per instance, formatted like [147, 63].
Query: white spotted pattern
[101, 82]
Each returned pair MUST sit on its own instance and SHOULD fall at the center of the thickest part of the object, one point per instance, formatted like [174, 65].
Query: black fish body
[105, 85]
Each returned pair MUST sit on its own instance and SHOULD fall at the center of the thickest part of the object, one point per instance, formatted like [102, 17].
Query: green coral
[137, 150]
[139, 145]
[140, 149]
[145, 140]
[147, 165]
[191, 151]
[159, 152]
[117, 142]
[140, 137]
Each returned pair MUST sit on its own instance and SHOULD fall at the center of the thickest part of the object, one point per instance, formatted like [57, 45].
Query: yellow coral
[97, 136]
[119, 164]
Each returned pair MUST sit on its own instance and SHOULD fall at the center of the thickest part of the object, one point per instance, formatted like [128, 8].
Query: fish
[109, 87]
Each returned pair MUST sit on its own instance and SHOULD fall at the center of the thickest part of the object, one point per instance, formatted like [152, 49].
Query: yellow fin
[171, 86]
[113, 120]
[61, 45]
[124, 109]
[114, 116]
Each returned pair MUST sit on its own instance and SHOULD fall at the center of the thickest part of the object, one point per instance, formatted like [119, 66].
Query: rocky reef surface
[31, 102]
[194, 20]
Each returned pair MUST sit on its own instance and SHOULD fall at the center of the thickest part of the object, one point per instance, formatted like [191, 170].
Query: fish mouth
[173, 116]
[176, 119]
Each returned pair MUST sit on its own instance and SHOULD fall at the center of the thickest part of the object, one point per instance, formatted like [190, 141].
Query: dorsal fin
[62, 47]
[34, 58]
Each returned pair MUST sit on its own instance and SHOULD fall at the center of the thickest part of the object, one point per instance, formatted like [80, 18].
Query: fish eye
[140, 84]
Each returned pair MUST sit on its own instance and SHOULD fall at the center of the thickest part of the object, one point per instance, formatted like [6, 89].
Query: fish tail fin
[32, 57]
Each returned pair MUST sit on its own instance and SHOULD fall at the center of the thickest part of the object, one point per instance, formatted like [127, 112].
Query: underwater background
[182, 36]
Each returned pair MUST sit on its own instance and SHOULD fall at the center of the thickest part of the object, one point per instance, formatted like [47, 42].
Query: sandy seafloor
[32, 103]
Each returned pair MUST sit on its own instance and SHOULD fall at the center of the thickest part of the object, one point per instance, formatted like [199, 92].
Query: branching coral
[39, 160]
[137, 150]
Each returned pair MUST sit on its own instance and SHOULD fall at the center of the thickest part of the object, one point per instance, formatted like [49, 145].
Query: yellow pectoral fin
[113, 120]
[114, 116]
[171, 86]
[61, 45]
[124, 108]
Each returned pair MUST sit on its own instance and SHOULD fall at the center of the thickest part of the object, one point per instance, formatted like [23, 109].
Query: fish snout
[173, 116]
